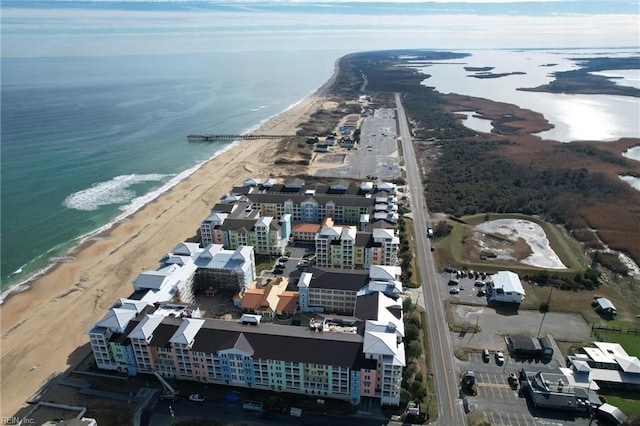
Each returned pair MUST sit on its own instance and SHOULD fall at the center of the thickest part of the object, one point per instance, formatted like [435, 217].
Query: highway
[450, 409]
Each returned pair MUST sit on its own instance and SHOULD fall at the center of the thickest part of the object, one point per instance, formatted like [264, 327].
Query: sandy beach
[43, 328]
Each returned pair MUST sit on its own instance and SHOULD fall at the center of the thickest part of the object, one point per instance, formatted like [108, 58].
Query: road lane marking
[494, 385]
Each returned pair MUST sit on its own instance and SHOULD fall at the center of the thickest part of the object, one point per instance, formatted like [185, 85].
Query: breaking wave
[115, 191]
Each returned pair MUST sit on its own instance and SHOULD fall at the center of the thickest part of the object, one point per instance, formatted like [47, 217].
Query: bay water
[575, 117]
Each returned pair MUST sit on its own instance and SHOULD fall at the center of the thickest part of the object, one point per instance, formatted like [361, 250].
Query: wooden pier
[213, 138]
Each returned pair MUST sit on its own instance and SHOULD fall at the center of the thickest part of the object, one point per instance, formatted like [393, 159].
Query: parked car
[482, 293]
[454, 290]
[283, 259]
[479, 283]
[195, 397]
[499, 358]
[485, 355]
[513, 380]
[453, 282]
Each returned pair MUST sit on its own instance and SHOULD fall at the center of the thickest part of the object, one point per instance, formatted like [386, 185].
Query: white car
[195, 397]
[454, 290]
[499, 358]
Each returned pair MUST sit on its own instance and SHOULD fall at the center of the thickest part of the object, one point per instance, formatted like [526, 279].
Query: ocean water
[86, 140]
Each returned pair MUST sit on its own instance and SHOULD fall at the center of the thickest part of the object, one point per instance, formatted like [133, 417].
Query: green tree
[414, 349]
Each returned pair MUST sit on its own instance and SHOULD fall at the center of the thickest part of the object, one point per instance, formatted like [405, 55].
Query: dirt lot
[495, 325]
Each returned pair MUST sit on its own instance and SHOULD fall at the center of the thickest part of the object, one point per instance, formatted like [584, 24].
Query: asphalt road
[450, 409]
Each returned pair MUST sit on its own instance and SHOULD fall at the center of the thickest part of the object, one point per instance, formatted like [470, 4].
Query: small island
[496, 75]
[583, 81]
[478, 69]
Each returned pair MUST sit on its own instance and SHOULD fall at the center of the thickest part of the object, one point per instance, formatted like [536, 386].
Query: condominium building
[346, 248]
[335, 357]
[333, 290]
[240, 224]
[341, 201]
[220, 268]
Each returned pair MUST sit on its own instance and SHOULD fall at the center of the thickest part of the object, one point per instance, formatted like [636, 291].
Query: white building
[505, 286]
[607, 364]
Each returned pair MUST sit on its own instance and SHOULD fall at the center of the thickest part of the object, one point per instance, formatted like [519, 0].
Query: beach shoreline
[43, 327]
[24, 283]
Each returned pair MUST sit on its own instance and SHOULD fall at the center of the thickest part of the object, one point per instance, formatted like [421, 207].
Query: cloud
[48, 31]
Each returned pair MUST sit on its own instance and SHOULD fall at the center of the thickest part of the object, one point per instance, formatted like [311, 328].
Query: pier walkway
[212, 138]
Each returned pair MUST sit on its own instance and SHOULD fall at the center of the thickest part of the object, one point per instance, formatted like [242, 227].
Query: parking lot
[377, 154]
[493, 323]
[486, 328]
[502, 403]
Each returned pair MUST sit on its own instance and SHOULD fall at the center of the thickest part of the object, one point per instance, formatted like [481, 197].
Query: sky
[68, 28]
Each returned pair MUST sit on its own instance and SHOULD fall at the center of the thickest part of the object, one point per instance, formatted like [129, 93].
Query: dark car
[513, 380]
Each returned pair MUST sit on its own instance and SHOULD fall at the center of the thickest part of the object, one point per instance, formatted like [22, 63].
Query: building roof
[553, 389]
[305, 279]
[145, 328]
[273, 341]
[154, 279]
[388, 317]
[164, 331]
[313, 228]
[186, 249]
[614, 412]
[216, 258]
[288, 302]
[508, 282]
[384, 272]
[338, 279]
[187, 331]
[117, 318]
[273, 298]
[628, 364]
[337, 199]
[386, 345]
[605, 304]
[524, 343]
[223, 208]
